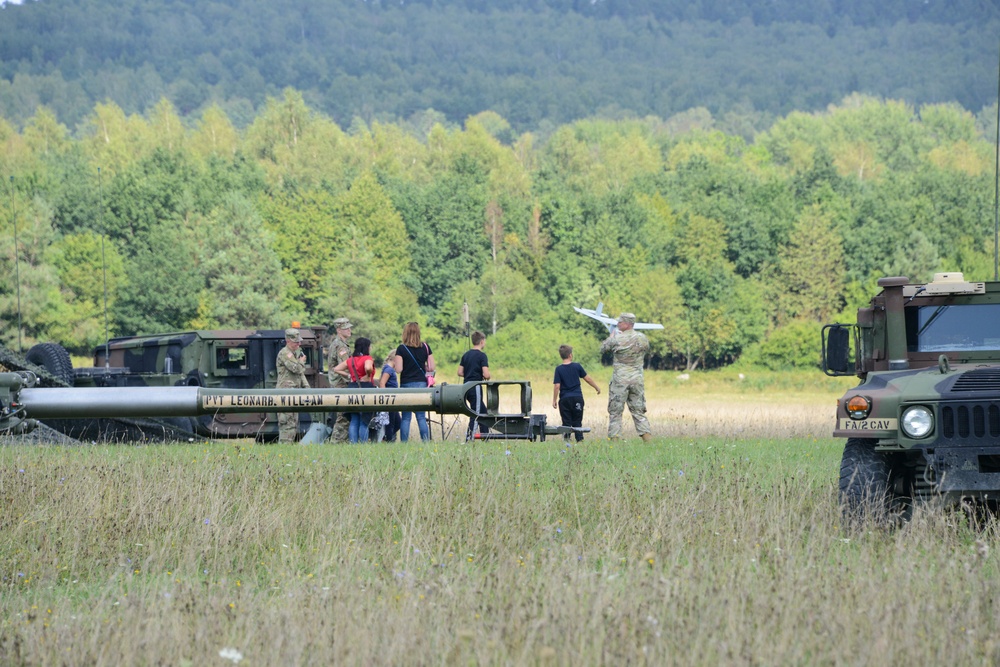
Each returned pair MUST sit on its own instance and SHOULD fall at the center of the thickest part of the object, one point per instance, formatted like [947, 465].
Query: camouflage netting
[12, 361]
[41, 435]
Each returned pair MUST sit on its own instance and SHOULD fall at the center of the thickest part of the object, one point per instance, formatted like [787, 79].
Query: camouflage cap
[626, 317]
[293, 335]
[342, 323]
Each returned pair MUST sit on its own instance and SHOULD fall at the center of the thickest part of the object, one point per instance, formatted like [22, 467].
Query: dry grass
[759, 404]
[689, 551]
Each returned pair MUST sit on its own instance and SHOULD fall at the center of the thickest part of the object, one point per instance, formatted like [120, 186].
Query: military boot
[646, 437]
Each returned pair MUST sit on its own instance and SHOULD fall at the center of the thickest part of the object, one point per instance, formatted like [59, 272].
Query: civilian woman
[360, 370]
[415, 364]
[389, 380]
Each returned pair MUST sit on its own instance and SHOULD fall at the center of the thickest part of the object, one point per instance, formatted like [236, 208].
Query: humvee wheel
[54, 358]
[865, 481]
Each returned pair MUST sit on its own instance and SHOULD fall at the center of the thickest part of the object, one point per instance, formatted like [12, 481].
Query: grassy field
[715, 544]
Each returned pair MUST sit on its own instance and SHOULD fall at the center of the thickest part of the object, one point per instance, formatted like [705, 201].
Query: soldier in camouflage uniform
[629, 348]
[339, 351]
[291, 365]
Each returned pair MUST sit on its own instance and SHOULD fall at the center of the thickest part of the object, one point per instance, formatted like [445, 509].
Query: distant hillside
[537, 63]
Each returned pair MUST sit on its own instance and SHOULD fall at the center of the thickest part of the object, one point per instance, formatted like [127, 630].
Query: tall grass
[709, 550]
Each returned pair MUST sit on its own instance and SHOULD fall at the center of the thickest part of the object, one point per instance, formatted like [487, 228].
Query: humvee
[924, 422]
[230, 359]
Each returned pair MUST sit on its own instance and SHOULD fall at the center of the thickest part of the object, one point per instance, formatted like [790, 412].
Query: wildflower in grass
[231, 654]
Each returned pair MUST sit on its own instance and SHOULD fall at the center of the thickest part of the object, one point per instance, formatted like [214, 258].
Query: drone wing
[610, 322]
[593, 314]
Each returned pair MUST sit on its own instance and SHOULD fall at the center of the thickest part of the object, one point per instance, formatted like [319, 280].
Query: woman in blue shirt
[389, 380]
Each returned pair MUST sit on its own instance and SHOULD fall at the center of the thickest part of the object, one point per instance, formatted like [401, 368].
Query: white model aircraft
[611, 322]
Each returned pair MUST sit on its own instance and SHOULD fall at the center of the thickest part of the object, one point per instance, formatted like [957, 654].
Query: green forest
[740, 248]
[538, 63]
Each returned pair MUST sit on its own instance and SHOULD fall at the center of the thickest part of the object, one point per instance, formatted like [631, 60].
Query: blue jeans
[357, 427]
[404, 424]
[357, 430]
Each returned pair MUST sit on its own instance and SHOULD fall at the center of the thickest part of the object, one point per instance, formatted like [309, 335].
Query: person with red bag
[359, 369]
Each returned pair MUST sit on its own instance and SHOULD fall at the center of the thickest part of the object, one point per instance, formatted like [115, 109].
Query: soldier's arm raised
[289, 362]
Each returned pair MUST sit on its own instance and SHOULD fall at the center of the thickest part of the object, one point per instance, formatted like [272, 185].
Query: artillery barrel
[22, 404]
[60, 403]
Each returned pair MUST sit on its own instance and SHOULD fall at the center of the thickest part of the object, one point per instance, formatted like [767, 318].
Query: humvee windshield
[231, 358]
[946, 328]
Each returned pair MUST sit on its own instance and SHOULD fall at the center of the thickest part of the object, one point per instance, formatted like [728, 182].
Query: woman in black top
[414, 363]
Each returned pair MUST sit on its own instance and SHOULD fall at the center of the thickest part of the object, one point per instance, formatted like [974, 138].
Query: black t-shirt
[568, 376]
[473, 363]
[414, 362]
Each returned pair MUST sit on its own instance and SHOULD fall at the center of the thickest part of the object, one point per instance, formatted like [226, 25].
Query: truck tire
[865, 481]
[54, 358]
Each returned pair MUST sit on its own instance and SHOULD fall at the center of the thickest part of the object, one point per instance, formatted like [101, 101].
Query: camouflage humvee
[925, 420]
[236, 359]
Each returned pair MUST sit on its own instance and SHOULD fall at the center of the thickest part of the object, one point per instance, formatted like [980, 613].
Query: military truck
[224, 359]
[925, 420]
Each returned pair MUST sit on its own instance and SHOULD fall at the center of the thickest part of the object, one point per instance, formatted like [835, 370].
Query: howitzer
[21, 403]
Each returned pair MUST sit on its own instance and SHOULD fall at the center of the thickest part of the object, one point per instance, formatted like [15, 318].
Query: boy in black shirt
[474, 367]
[567, 393]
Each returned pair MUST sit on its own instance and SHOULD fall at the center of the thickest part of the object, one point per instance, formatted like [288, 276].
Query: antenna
[17, 264]
[104, 268]
[465, 320]
[996, 190]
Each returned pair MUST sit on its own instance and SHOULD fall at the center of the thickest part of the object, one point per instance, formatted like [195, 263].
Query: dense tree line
[538, 63]
[739, 248]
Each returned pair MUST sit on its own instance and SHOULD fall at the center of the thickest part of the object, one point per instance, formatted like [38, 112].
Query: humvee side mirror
[837, 350]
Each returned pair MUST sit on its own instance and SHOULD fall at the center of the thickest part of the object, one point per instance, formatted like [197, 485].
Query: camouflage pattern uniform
[339, 351]
[291, 365]
[629, 349]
